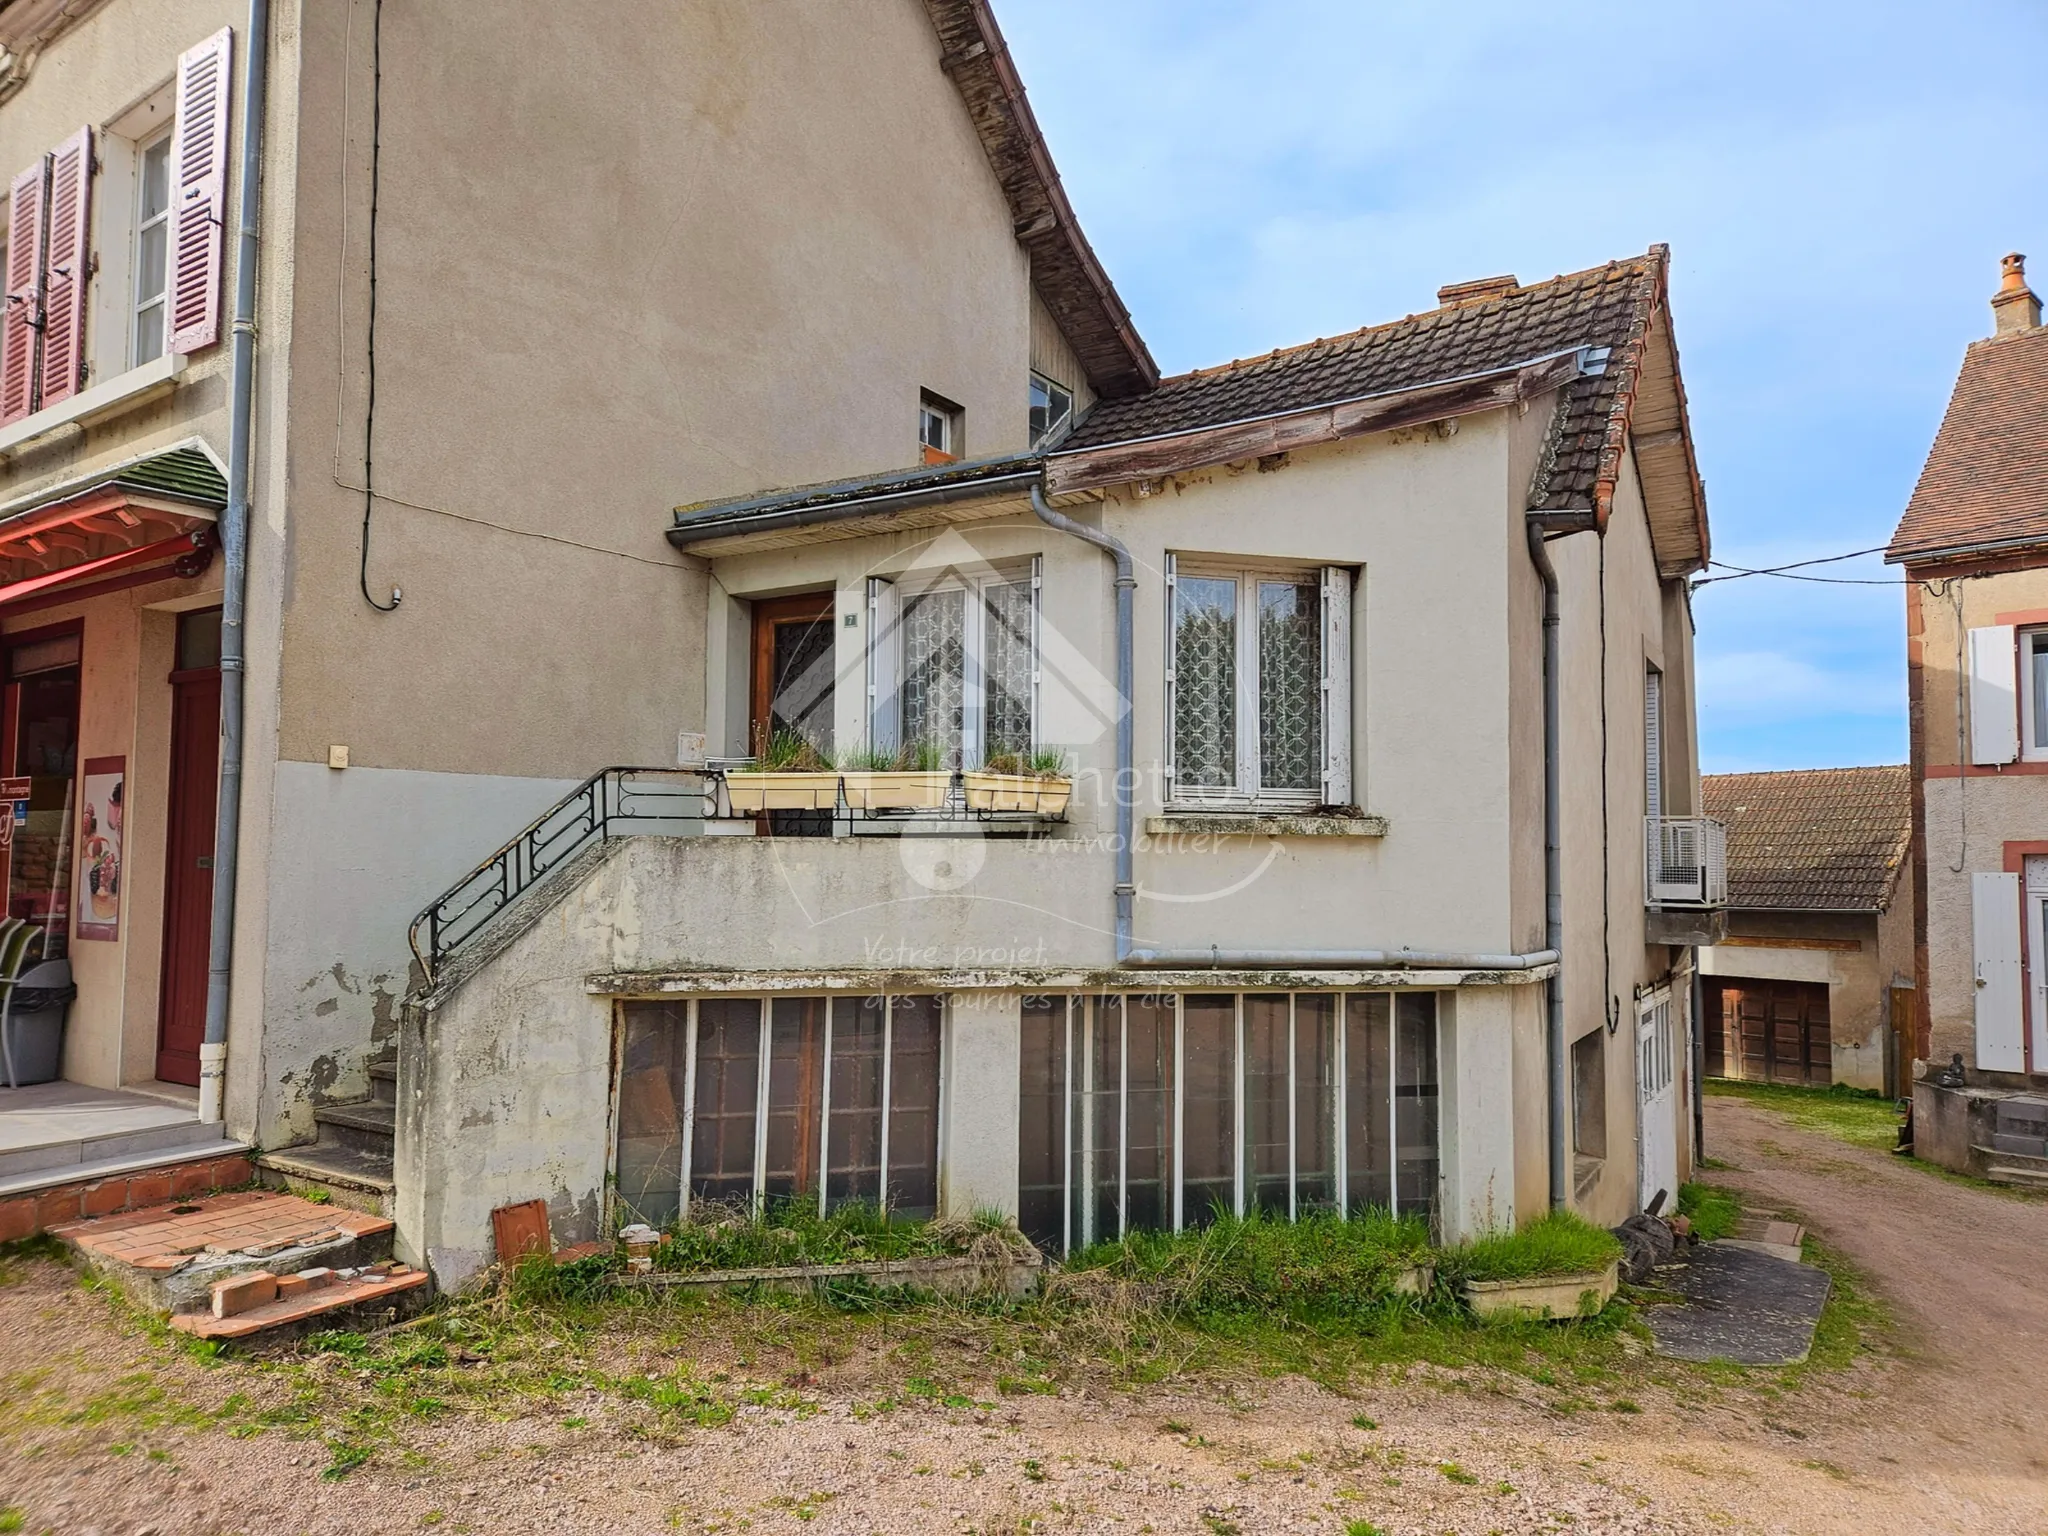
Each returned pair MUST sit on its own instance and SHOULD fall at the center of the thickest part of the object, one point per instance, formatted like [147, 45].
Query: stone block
[243, 1293]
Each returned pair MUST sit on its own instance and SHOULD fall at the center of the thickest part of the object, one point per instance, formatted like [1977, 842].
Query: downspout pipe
[1553, 871]
[1126, 691]
[234, 539]
[1212, 958]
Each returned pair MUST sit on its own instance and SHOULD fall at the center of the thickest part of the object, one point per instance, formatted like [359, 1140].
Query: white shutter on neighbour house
[885, 670]
[1336, 685]
[1994, 694]
[1995, 924]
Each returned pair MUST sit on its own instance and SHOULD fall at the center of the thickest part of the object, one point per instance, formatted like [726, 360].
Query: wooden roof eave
[1657, 425]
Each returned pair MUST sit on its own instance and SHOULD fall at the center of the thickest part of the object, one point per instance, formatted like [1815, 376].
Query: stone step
[346, 1176]
[384, 1080]
[166, 1258]
[2021, 1145]
[178, 1133]
[2023, 1161]
[2018, 1178]
[2022, 1115]
[368, 1125]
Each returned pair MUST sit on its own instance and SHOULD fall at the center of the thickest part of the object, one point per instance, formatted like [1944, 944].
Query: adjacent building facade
[1974, 547]
[1813, 984]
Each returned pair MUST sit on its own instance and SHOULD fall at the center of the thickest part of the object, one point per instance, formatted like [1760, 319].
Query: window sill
[123, 392]
[1338, 823]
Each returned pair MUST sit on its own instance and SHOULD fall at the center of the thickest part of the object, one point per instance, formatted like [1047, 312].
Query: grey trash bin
[34, 1024]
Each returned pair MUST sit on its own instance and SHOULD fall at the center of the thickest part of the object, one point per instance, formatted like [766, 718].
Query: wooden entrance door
[1782, 1027]
[793, 669]
[188, 852]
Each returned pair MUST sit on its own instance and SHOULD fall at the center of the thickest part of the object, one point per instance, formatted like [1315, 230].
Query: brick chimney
[2014, 306]
[1478, 291]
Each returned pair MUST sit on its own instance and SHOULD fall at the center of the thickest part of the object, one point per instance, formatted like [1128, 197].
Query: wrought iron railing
[614, 802]
[1685, 861]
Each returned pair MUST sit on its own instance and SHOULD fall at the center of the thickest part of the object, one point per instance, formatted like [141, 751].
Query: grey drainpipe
[1127, 954]
[1553, 878]
[234, 539]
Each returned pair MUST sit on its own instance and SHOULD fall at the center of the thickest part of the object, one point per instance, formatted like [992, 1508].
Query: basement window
[1157, 1113]
[737, 1102]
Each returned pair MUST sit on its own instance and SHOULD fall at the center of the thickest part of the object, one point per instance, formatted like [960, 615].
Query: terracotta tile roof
[1986, 478]
[1829, 839]
[1606, 306]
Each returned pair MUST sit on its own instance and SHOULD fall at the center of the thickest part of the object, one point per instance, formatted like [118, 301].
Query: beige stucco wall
[1968, 819]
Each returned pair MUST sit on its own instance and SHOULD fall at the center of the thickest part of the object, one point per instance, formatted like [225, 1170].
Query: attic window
[938, 429]
[1051, 405]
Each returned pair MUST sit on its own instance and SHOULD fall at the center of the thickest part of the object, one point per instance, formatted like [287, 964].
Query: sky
[1836, 181]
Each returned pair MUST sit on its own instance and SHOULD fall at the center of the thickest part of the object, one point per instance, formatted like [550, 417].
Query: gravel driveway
[1938, 1439]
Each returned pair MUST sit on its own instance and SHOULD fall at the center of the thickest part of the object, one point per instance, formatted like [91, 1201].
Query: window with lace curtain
[953, 664]
[1258, 684]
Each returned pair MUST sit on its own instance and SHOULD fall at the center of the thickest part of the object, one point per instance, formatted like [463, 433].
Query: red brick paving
[165, 1236]
[312, 1303]
[46, 1209]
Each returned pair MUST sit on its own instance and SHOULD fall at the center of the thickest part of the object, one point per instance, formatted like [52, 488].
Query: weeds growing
[1556, 1243]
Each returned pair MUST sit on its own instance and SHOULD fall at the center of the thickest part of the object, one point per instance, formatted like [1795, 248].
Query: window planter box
[1555, 1297]
[781, 790]
[887, 790]
[1017, 792]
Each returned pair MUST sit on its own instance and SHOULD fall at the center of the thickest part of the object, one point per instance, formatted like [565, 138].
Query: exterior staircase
[2018, 1153]
[351, 1160]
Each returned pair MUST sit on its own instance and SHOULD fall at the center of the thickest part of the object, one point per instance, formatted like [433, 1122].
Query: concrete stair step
[178, 1137]
[117, 1166]
[350, 1177]
[2022, 1145]
[2024, 1161]
[2019, 1178]
[384, 1081]
[368, 1125]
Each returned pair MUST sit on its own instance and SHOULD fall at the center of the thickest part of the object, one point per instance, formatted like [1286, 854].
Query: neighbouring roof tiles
[1814, 839]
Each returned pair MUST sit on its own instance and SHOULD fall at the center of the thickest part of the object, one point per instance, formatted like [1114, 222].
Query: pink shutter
[199, 184]
[66, 269]
[22, 323]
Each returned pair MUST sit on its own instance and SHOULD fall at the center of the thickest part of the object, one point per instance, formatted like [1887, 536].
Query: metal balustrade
[613, 802]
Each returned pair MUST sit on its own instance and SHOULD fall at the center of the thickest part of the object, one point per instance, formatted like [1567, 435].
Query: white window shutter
[1336, 685]
[1995, 924]
[1172, 694]
[885, 668]
[1653, 742]
[1037, 666]
[1994, 694]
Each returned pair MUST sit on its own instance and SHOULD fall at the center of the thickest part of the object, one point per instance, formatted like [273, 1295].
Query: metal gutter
[1553, 870]
[1965, 551]
[234, 537]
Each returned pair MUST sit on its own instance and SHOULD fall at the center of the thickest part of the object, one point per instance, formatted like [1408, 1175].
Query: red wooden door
[188, 872]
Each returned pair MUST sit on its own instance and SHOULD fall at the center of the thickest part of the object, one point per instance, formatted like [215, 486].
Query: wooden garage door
[1783, 1030]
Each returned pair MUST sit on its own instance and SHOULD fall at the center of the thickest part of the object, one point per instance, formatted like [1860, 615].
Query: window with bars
[738, 1101]
[954, 663]
[1155, 1113]
[1258, 684]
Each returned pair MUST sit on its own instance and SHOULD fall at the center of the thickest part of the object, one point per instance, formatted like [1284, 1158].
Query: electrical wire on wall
[370, 406]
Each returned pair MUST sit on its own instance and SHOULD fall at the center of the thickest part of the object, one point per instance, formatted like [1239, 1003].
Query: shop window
[39, 744]
[738, 1102]
[1157, 1113]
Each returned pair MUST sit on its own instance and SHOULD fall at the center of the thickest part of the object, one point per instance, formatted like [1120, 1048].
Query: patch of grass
[1556, 1243]
[1321, 1268]
[1712, 1210]
[1362, 1528]
[1457, 1474]
[1852, 1323]
[792, 1231]
[1360, 1421]
[12, 1519]
[1858, 1116]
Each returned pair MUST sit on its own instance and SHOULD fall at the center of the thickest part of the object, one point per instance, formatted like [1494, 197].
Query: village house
[1273, 787]
[1813, 984]
[1974, 547]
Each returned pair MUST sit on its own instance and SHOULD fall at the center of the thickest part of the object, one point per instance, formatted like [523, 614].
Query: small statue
[1951, 1076]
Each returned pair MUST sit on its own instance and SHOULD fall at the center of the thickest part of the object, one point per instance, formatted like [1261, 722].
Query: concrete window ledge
[123, 392]
[1263, 824]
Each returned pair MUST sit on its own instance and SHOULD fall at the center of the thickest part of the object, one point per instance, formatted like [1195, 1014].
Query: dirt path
[96, 1431]
[1964, 1269]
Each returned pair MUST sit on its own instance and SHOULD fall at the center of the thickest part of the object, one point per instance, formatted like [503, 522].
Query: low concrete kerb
[961, 1276]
